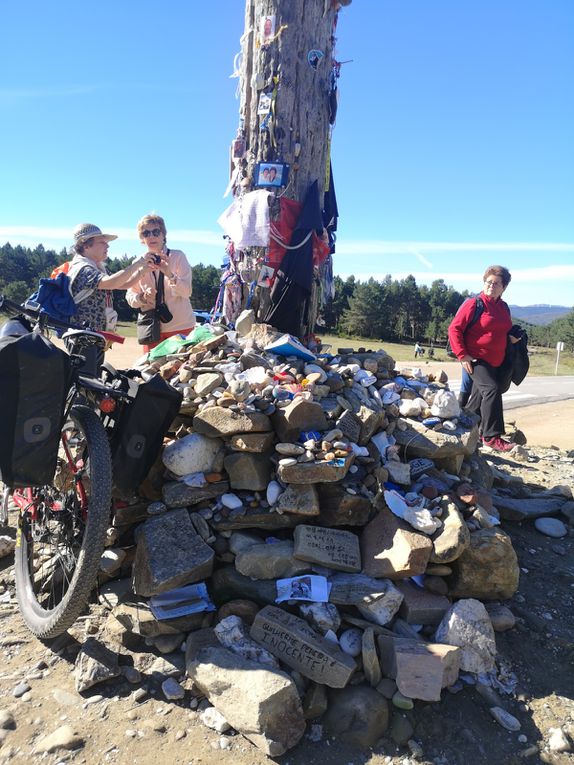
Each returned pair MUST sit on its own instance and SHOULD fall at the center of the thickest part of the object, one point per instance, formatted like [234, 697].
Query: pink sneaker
[498, 444]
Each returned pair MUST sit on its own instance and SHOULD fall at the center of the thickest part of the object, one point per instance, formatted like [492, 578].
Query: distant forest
[392, 310]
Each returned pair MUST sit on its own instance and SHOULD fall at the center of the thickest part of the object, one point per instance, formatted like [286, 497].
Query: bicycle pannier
[34, 381]
[139, 431]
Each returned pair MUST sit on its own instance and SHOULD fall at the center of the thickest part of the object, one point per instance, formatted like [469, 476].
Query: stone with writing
[296, 644]
[299, 500]
[333, 548]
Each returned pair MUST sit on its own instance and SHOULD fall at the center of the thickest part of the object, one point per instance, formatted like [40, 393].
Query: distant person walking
[481, 348]
[419, 351]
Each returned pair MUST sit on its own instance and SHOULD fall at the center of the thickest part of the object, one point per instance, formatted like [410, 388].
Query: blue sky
[453, 146]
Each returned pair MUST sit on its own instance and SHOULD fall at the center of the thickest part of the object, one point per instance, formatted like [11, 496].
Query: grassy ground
[542, 360]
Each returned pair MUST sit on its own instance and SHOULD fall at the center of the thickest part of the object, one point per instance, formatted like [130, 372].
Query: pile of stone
[335, 474]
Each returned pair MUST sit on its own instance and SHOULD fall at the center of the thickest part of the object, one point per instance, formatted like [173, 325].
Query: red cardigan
[486, 339]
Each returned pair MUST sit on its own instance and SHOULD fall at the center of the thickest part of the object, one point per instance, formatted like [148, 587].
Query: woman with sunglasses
[176, 271]
[481, 347]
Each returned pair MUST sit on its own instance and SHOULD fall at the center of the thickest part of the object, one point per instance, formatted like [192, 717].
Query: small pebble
[402, 702]
[20, 689]
[505, 719]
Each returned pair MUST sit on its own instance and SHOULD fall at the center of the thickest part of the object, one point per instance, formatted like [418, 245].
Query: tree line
[392, 310]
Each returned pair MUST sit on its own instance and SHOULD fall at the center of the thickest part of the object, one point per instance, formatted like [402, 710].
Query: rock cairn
[342, 521]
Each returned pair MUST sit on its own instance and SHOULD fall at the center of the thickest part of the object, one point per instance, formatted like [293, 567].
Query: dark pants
[486, 399]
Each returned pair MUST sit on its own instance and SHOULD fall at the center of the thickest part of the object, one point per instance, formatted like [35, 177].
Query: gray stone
[248, 471]
[401, 728]
[315, 472]
[270, 561]
[245, 322]
[208, 382]
[217, 421]
[333, 548]
[551, 527]
[452, 538]
[193, 453]
[177, 494]
[298, 416]
[467, 625]
[315, 701]
[293, 642]
[213, 719]
[392, 549]
[7, 721]
[382, 610]
[321, 616]
[95, 664]
[64, 737]
[487, 569]
[511, 509]
[501, 617]
[505, 719]
[371, 665]
[137, 618]
[20, 689]
[399, 472]
[357, 715]
[7, 545]
[172, 690]
[261, 703]
[350, 425]
[169, 553]
[425, 442]
[356, 589]
[299, 500]
[252, 442]
[227, 584]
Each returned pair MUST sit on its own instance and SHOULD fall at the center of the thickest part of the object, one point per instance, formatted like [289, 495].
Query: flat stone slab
[420, 606]
[218, 421]
[339, 508]
[356, 589]
[299, 500]
[425, 442]
[315, 472]
[519, 509]
[293, 642]
[392, 549]
[252, 442]
[177, 494]
[169, 553]
[328, 547]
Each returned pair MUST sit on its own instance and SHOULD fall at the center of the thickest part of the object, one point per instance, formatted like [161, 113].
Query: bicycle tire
[51, 594]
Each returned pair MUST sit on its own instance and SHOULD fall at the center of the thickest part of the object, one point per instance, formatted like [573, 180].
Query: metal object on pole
[559, 347]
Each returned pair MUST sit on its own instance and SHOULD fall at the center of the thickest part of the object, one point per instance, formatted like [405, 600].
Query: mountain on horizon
[540, 313]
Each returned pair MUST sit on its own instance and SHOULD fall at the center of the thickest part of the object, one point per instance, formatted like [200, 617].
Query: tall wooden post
[287, 66]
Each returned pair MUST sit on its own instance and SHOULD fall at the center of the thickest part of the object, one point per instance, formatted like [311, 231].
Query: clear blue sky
[453, 147]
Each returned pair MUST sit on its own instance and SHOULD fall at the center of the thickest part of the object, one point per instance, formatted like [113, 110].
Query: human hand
[467, 364]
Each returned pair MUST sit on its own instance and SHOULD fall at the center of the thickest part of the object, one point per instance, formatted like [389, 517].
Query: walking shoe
[498, 444]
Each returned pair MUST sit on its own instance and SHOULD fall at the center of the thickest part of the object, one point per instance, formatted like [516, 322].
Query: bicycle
[62, 523]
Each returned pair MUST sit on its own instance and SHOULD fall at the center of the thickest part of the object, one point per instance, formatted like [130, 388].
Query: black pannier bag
[139, 431]
[34, 382]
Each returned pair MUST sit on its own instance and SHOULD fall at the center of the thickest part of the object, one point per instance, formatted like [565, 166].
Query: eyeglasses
[493, 284]
[154, 232]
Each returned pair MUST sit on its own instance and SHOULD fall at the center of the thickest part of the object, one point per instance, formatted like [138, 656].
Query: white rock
[290, 450]
[191, 454]
[231, 501]
[274, 491]
[445, 404]
[214, 720]
[467, 625]
[558, 741]
[316, 369]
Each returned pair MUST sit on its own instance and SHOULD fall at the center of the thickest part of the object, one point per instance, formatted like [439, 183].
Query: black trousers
[486, 399]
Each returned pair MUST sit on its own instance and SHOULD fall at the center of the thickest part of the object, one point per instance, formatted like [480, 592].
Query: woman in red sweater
[481, 349]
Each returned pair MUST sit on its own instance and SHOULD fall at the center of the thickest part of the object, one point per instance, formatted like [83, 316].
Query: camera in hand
[157, 259]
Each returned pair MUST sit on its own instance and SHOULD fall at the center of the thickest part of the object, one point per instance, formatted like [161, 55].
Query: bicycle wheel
[61, 534]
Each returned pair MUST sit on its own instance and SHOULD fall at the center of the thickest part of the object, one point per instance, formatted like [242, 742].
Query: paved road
[534, 390]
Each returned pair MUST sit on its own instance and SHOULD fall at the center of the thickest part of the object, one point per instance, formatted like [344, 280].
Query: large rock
[452, 538]
[392, 549]
[298, 416]
[261, 703]
[299, 500]
[358, 715]
[218, 421]
[382, 610]
[531, 507]
[333, 548]
[293, 642]
[420, 669]
[95, 664]
[420, 606]
[248, 471]
[178, 494]
[228, 584]
[270, 561]
[136, 617]
[207, 382]
[252, 442]
[467, 625]
[339, 508]
[425, 442]
[488, 568]
[192, 454]
[169, 553]
[315, 472]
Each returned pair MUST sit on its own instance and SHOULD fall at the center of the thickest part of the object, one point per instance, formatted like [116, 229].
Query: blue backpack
[54, 297]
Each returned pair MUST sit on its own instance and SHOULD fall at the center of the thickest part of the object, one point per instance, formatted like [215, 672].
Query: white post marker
[559, 347]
